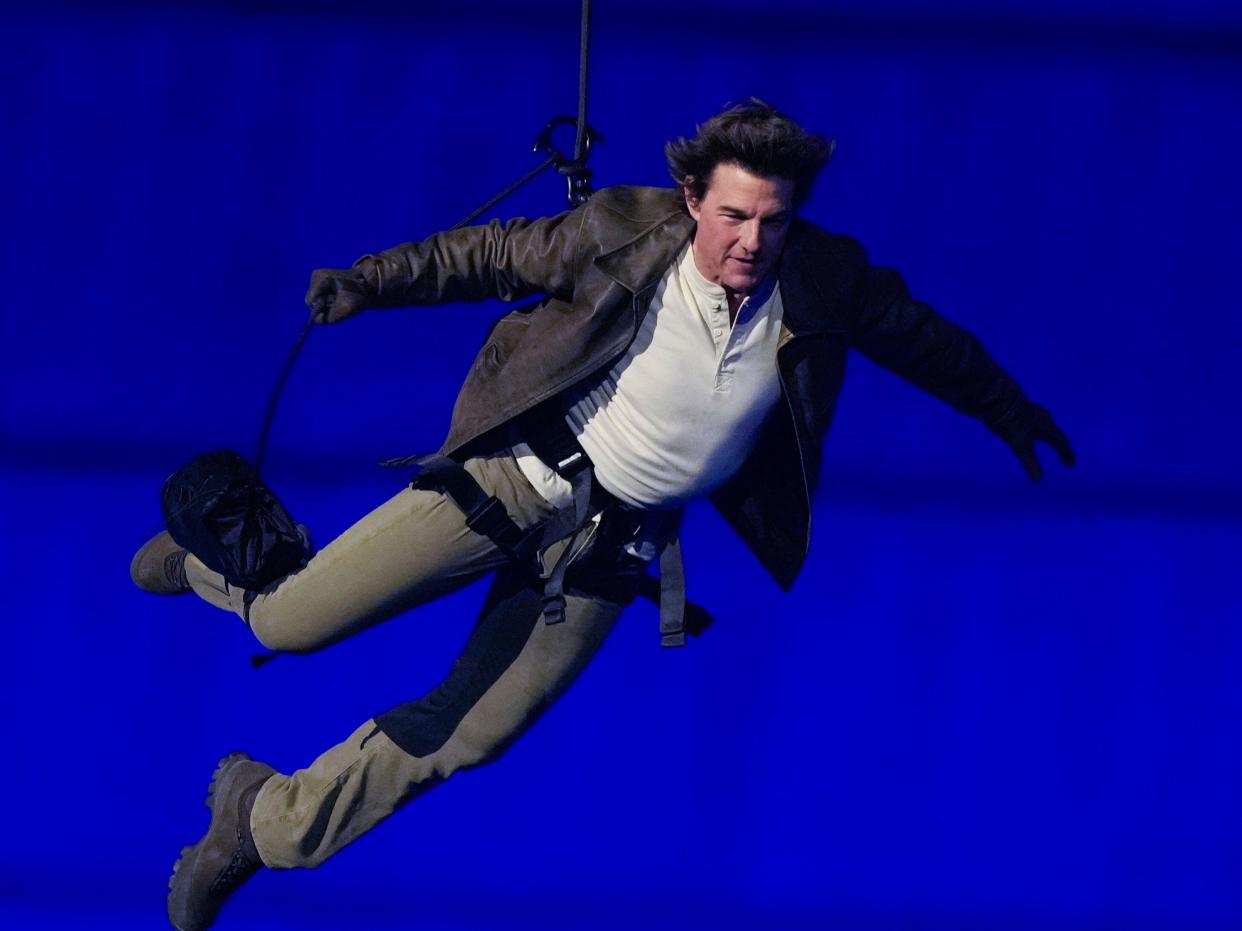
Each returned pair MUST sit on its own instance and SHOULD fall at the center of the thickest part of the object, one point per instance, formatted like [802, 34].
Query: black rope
[584, 50]
[277, 390]
[581, 148]
[287, 369]
[526, 178]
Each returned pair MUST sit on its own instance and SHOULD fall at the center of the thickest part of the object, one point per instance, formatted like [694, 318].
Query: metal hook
[573, 169]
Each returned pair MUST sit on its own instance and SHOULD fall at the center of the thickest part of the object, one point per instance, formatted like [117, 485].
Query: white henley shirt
[677, 415]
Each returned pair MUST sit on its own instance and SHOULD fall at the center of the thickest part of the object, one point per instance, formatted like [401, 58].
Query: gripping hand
[336, 293]
[1021, 427]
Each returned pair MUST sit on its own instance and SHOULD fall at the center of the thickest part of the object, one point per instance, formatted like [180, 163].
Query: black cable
[580, 151]
[584, 54]
[274, 400]
[529, 176]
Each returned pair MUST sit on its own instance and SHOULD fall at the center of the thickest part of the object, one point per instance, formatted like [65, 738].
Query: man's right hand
[336, 293]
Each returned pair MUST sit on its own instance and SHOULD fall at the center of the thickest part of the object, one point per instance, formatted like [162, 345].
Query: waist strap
[550, 438]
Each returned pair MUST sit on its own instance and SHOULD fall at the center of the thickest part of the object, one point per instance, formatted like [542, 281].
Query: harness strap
[672, 595]
[696, 618]
[484, 514]
[554, 585]
[550, 438]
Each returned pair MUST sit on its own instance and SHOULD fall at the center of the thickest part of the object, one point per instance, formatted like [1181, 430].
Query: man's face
[742, 221]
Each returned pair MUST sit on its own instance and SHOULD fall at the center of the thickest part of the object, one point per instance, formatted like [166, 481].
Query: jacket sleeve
[909, 338]
[509, 261]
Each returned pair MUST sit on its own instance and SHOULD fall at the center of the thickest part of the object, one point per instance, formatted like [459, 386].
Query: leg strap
[484, 513]
[487, 516]
[554, 584]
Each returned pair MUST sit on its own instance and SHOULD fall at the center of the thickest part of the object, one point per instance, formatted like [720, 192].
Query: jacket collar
[642, 260]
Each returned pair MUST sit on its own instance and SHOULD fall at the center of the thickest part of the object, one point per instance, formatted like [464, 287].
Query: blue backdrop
[986, 704]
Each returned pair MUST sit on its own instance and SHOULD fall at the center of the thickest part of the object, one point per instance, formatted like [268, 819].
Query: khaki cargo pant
[411, 549]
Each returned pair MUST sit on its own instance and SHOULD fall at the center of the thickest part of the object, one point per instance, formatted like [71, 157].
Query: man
[690, 342]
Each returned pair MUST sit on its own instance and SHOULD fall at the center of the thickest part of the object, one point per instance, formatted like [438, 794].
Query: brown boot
[209, 872]
[159, 566]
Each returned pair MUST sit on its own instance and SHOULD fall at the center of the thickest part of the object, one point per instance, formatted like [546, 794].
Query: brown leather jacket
[598, 267]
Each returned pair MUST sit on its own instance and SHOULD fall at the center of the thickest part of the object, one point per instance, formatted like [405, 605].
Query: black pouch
[218, 508]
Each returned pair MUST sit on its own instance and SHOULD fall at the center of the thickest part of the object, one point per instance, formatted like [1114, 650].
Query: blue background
[986, 704]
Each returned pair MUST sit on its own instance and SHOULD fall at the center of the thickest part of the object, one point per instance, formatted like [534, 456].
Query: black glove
[336, 293]
[1022, 426]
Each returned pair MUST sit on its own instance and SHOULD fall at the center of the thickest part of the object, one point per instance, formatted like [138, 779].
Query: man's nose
[750, 236]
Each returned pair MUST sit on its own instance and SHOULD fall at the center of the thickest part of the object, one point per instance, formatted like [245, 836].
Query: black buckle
[553, 608]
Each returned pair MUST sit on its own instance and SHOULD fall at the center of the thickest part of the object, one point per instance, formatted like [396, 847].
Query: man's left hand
[1022, 427]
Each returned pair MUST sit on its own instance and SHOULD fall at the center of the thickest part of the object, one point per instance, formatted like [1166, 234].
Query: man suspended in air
[689, 342]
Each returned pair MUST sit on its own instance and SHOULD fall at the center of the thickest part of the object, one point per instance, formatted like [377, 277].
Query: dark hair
[755, 136]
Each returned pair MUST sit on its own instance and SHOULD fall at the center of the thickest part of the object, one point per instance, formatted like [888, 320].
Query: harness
[609, 554]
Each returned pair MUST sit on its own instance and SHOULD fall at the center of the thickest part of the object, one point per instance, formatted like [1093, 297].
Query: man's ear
[692, 202]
